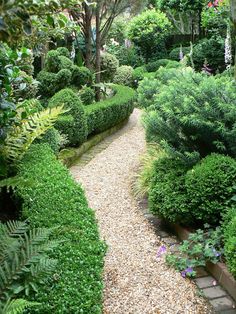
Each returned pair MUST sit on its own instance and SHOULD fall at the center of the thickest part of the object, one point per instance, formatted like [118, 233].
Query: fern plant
[24, 260]
[16, 306]
[21, 136]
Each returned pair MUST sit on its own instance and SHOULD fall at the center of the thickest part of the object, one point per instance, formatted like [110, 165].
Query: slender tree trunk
[233, 18]
[98, 48]
[88, 37]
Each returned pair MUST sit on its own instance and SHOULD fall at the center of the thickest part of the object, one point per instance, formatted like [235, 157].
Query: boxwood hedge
[107, 113]
[55, 200]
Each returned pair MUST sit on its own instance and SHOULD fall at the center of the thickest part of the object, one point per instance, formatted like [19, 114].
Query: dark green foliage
[57, 60]
[81, 76]
[56, 200]
[107, 113]
[194, 115]
[52, 138]
[24, 259]
[175, 53]
[209, 187]
[64, 63]
[211, 50]
[50, 83]
[167, 196]
[155, 65]
[87, 95]
[229, 228]
[124, 76]
[109, 65]
[78, 129]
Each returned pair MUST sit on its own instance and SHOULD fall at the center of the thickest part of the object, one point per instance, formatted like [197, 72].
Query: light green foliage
[63, 51]
[201, 247]
[155, 65]
[148, 31]
[194, 115]
[53, 138]
[138, 74]
[50, 83]
[76, 126]
[107, 113]
[87, 95]
[209, 187]
[229, 228]
[24, 259]
[56, 200]
[147, 90]
[81, 76]
[109, 65]
[30, 126]
[124, 76]
[17, 306]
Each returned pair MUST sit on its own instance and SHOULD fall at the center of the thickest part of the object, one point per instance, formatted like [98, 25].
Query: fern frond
[14, 182]
[19, 140]
[17, 306]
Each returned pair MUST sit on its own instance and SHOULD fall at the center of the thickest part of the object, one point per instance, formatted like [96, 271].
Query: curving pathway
[136, 281]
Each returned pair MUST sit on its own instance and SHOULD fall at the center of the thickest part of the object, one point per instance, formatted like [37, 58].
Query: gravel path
[136, 281]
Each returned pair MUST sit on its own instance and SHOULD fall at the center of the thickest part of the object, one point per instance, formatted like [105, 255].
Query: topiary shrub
[53, 138]
[81, 76]
[87, 95]
[148, 32]
[54, 200]
[167, 193]
[109, 65]
[209, 187]
[56, 61]
[212, 50]
[124, 75]
[63, 51]
[229, 229]
[64, 63]
[77, 125]
[175, 53]
[50, 83]
[194, 115]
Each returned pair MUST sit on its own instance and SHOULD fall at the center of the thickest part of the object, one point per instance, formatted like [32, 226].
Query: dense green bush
[25, 88]
[209, 187]
[63, 51]
[147, 90]
[138, 74]
[212, 50]
[175, 53]
[57, 60]
[87, 95]
[56, 201]
[50, 83]
[124, 76]
[109, 65]
[229, 228]
[76, 130]
[194, 115]
[167, 193]
[148, 31]
[53, 138]
[107, 113]
[81, 76]
[155, 65]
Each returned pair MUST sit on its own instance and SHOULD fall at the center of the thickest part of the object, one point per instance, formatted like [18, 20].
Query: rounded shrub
[124, 75]
[63, 51]
[167, 193]
[64, 63]
[109, 66]
[229, 229]
[87, 95]
[74, 126]
[53, 138]
[51, 61]
[209, 187]
[81, 76]
[175, 53]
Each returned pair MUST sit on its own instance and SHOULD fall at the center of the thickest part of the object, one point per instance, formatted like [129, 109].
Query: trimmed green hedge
[107, 113]
[55, 200]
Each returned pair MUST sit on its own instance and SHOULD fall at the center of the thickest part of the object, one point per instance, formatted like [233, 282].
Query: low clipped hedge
[55, 200]
[107, 113]
[229, 229]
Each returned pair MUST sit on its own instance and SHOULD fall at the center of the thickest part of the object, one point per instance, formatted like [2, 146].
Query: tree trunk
[98, 49]
[88, 37]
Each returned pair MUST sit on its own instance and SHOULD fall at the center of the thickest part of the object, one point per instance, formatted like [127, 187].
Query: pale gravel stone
[136, 282]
